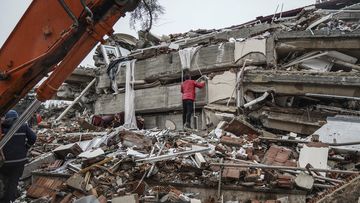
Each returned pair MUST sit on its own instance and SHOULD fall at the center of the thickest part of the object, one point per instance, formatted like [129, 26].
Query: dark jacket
[15, 150]
[188, 89]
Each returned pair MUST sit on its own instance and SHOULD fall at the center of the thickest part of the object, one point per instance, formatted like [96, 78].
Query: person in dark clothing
[188, 98]
[14, 155]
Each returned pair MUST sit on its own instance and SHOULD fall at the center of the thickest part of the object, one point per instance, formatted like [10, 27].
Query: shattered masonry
[277, 121]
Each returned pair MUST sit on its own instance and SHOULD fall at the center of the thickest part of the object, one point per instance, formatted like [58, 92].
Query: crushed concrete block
[231, 173]
[277, 155]
[283, 200]
[119, 181]
[200, 160]
[249, 46]
[131, 139]
[133, 198]
[195, 201]
[63, 150]
[292, 136]
[87, 199]
[251, 177]
[304, 181]
[316, 156]
[37, 163]
[170, 125]
[76, 181]
[92, 153]
[220, 87]
[232, 141]
[240, 127]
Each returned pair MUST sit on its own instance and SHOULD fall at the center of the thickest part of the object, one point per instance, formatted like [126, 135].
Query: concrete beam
[290, 119]
[300, 83]
[306, 34]
[168, 66]
[318, 44]
[156, 99]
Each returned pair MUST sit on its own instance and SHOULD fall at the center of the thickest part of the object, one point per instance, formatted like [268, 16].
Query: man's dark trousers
[12, 173]
[188, 108]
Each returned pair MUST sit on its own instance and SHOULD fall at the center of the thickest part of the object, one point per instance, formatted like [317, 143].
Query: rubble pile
[160, 165]
[277, 121]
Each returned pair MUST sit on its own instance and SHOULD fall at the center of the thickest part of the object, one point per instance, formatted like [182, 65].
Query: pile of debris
[175, 166]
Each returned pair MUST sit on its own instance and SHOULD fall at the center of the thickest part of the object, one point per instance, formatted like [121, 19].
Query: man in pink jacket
[188, 98]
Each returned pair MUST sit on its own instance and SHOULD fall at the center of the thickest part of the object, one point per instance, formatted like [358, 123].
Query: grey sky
[181, 15]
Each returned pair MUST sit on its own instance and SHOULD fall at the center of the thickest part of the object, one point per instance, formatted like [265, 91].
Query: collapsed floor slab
[156, 99]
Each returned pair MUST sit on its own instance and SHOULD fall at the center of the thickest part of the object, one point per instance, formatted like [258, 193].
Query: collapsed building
[302, 59]
[280, 90]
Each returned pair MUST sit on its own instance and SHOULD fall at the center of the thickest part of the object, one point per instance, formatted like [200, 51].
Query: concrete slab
[156, 99]
[340, 129]
[126, 199]
[300, 83]
[76, 181]
[87, 199]
[317, 156]
[304, 181]
[221, 86]
[37, 163]
[63, 150]
[92, 153]
[249, 46]
[200, 160]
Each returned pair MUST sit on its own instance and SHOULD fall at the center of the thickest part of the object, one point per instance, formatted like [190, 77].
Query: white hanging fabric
[130, 119]
[186, 56]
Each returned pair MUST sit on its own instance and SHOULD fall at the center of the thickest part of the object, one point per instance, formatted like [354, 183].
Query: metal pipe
[76, 100]
[305, 59]
[153, 164]
[344, 143]
[219, 183]
[238, 83]
[322, 186]
[283, 140]
[257, 100]
[346, 64]
[87, 9]
[69, 12]
[282, 9]
[328, 179]
[284, 168]
[305, 142]
[170, 156]
[274, 16]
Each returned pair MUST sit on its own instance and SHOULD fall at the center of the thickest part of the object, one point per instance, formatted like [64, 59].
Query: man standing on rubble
[188, 98]
[14, 155]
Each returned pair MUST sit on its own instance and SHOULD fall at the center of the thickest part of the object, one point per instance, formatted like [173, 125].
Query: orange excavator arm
[52, 36]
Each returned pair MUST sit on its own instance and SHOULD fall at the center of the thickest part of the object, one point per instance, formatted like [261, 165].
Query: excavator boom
[53, 35]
